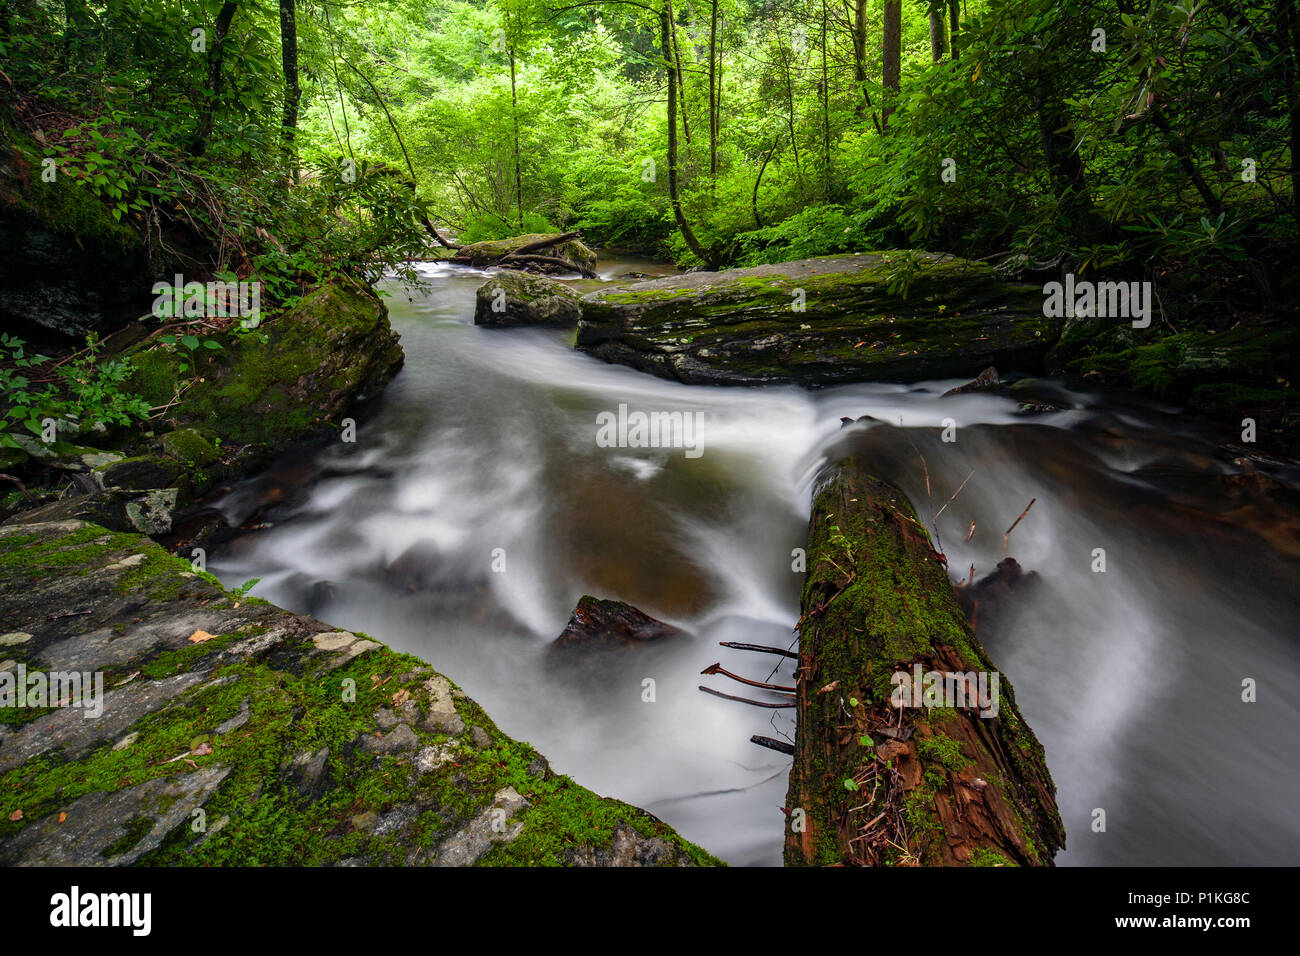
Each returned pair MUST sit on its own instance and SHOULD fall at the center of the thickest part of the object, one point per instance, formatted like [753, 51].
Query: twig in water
[1013, 526]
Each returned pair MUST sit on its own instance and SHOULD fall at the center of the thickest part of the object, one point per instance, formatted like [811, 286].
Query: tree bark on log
[874, 783]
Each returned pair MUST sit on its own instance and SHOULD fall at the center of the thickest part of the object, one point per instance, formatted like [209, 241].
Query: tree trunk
[875, 783]
[1064, 167]
[826, 114]
[938, 42]
[954, 25]
[514, 113]
[200, 141]
[681, 86]
[292, 91]
[713, 90]
[891, 56]
[666, 39]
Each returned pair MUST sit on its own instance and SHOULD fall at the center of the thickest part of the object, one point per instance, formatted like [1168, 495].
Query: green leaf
[191, 342]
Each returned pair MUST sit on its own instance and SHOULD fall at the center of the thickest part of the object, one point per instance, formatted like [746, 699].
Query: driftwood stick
[1013, 525]
[719, 669]
[762, 648]
[745, 700]
[780, 746]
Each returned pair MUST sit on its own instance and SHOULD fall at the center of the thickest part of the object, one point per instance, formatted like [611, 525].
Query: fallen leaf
[400, 697]
[192, 764]
[62, 817]
[202, 750]
[198, 637]
[829, 687]
[16, 815]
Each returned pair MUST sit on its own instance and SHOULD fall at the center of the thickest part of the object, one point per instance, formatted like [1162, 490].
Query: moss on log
[878, 784]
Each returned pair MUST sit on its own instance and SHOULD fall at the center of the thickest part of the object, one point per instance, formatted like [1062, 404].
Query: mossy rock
[140, 472]
[513, 298]
[332, 351]
[302, 744]
[190, 446]
[13, 459]
[889, 316]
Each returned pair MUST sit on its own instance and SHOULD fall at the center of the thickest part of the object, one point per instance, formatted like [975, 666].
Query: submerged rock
[821, 322]
[513, 298]
[986, 381]
[598, 624]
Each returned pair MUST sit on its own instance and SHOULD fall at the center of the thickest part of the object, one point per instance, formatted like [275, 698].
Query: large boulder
[513, 298]
[333, 350]
[889, 316]
[204, 698]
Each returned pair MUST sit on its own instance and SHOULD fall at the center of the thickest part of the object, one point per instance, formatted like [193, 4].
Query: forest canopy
[297, 139]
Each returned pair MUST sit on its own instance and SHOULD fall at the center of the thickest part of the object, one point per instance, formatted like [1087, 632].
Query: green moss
[136, 830]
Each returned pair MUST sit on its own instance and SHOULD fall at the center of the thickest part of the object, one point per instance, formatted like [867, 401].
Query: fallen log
[909, 747]
[516, 261]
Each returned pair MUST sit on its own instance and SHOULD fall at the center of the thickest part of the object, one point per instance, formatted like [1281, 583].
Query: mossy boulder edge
[237, 733]
[887, 316]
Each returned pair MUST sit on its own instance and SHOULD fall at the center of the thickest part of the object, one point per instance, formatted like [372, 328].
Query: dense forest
[1147, 138]
[875, 207]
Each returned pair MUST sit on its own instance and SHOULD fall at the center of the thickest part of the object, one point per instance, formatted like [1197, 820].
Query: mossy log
[874, 783]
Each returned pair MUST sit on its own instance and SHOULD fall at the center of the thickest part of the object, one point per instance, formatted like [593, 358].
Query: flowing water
[476, 507]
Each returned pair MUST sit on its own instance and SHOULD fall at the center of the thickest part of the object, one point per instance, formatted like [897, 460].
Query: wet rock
[628, 848]
[574, 252]
[480, 738]
[140, 472]
[397, 740]
[114, 829]
[234, 723]
[987, 599]
[489, 827]
[306, 773]
[598, 624]
[442, 717]
[986, 381]
[512, 298]
[741, 326]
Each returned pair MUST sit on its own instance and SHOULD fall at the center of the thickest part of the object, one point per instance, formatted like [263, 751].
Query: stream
[476, 507]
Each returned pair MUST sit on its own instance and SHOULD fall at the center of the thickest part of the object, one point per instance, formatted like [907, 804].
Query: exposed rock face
[513, 298]
[68, 266]
[236, 733]
[883, 772]
[821, 322]
[598, 625]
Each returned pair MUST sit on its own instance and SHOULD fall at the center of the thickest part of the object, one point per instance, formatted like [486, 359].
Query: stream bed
[476, 506]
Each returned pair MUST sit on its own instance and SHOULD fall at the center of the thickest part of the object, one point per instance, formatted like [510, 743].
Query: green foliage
[91, 390]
